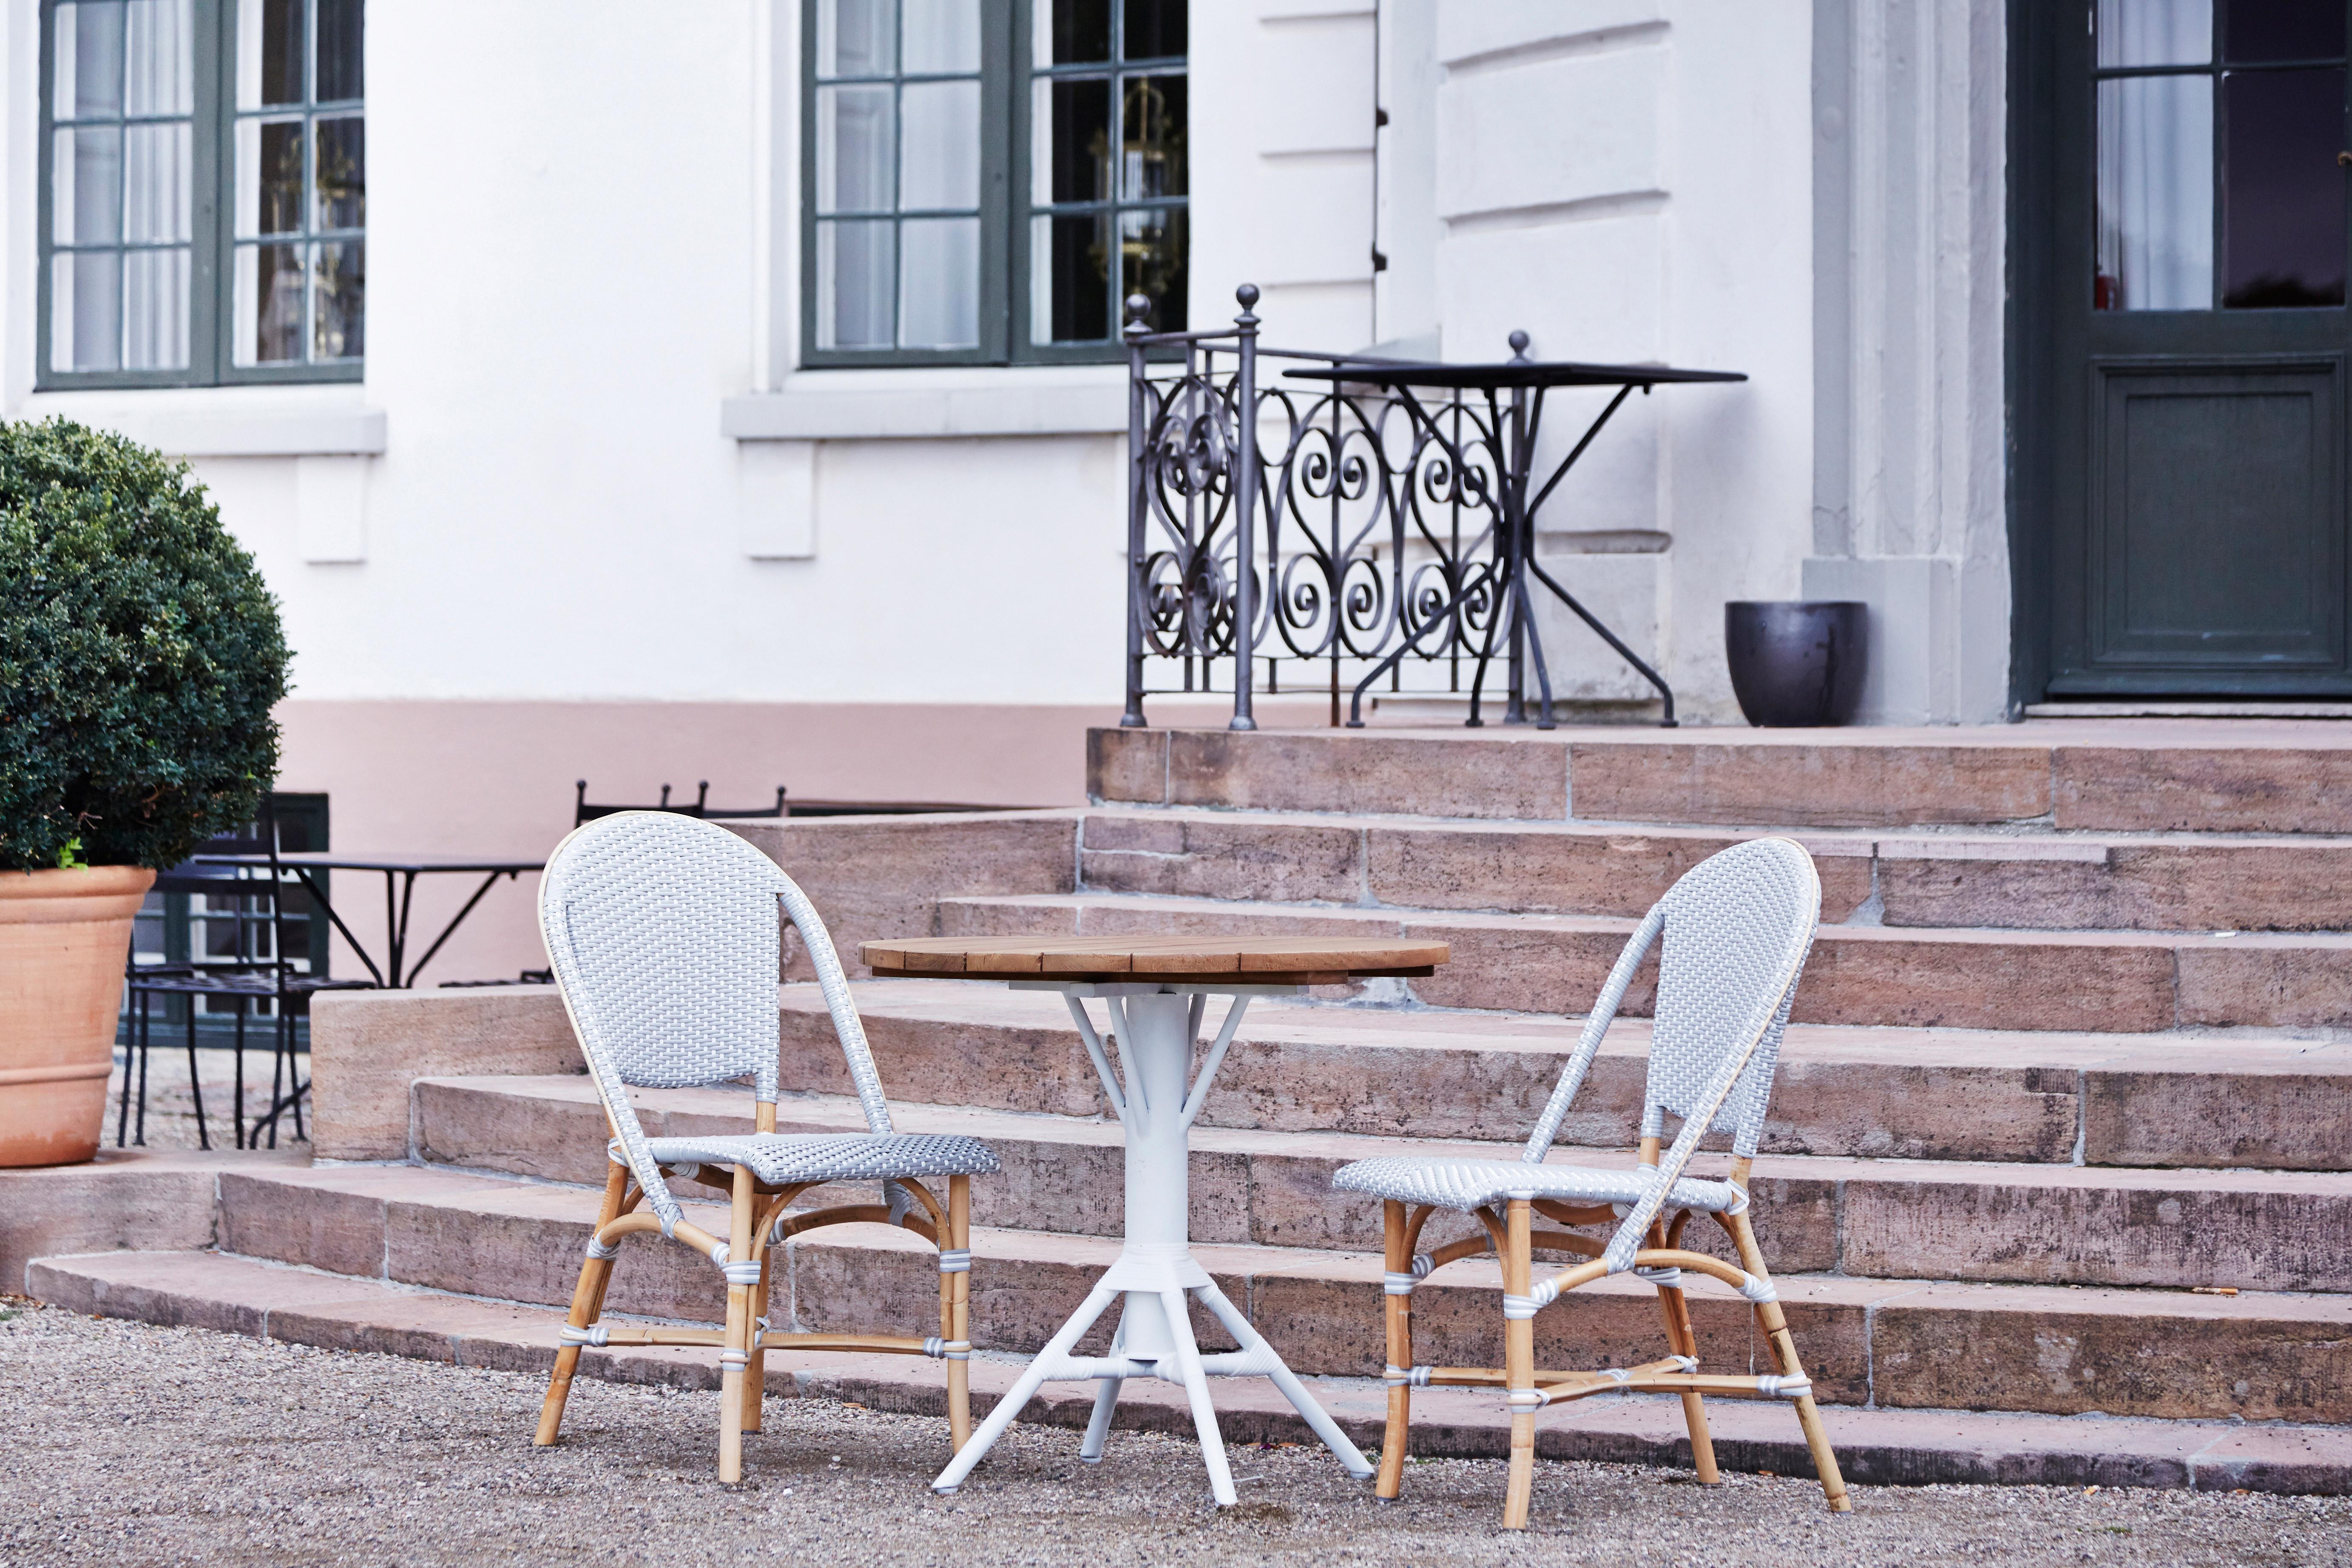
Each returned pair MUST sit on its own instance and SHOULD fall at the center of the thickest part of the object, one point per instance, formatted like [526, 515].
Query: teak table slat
[1155, 989]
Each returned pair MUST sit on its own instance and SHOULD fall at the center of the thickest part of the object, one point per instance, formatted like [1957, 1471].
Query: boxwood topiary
[139, 656]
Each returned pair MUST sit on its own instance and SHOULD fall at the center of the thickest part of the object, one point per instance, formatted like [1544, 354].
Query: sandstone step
[2249, 776]
[1876, 1218]
[2175, 1100]
[1901, 1342]
[2116, 981]
[1875, 1446]
[2040, 879]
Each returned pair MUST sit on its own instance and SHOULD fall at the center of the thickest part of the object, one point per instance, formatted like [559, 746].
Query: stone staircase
[2055, 1181]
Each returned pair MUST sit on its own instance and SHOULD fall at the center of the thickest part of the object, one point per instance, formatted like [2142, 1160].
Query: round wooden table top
[1189, 960]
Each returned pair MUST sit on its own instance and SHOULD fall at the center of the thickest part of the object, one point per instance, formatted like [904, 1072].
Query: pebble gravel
[130, 1443]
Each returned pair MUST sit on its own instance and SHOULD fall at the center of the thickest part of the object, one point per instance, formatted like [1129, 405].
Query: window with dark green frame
[986, 180]
[203, 191]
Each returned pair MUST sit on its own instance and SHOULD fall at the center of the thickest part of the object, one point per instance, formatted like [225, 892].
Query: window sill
[225, 422]
[917, 404]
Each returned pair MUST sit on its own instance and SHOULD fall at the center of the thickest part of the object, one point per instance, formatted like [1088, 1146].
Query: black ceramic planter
[1797, 664]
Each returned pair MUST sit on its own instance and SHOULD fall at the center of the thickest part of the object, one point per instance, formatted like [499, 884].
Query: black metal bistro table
[1514, 426]
[400, 873]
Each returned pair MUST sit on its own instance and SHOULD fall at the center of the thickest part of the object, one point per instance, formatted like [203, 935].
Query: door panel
[2180, 231]
[2217, 516]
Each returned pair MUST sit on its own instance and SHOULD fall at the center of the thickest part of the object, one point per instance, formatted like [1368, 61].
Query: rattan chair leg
[956, 1312]
[587, 1301]
[1775, 1325]
[735, 1350]
[1520, 1366]
[755, 1372]
[1675, 1307]
[1389, 1483]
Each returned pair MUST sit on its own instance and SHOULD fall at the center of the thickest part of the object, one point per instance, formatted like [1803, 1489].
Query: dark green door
[2179, 317]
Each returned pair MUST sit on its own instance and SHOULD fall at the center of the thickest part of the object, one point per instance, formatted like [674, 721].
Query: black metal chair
[583, 811]
[249, 902]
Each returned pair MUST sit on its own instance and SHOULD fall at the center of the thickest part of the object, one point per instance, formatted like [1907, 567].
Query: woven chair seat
[1468, 1184]
[782, 1157]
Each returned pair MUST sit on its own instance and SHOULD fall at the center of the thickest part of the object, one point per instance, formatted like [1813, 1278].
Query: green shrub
[139, 656]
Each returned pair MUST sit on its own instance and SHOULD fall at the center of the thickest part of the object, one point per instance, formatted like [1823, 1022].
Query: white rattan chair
[665, 937]
[1737, 928]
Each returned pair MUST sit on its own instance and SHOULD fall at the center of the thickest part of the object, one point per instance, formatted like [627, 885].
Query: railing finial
[1138, 307]
[1247, 295]
[1519, 341]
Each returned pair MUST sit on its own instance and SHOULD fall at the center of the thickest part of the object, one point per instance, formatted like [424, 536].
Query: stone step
[1875, 1446]
[2040, 879]
[1906, 1343]
[2057, 1225]
[2124, 775]
[2176, 1100]
[2111, 982]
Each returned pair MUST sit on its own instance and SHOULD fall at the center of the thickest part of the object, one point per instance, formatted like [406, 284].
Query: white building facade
[732, 390]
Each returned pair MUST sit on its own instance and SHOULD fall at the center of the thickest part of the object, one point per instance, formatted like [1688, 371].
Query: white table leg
[1156, 1270]
[976, 1447]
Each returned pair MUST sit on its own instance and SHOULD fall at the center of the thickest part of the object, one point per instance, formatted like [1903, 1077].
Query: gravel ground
[133, 1445]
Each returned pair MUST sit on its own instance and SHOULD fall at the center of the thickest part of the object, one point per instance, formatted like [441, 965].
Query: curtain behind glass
[2155, 194]
[120, 185]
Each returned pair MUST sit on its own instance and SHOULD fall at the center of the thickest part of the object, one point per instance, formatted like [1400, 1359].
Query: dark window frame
[1007, 208]
[2217, 68]
[212, 281]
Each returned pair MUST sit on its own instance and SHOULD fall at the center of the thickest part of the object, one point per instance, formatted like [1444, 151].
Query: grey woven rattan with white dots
[663, 936]
[1737, 928]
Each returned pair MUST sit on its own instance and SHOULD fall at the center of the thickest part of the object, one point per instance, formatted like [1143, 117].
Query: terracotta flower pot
[63, 939]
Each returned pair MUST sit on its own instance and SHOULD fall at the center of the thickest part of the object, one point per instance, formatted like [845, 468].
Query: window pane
[156, 180]
[269, 304]
[2155, 31]
[268, 177]
[1151, 250]
[938, 283]
[1155, 30]
[1070, 161]
[270, 52]
[340, 301]
[342, 174]
[86, 311]
[158, 66]
[1069, 300]
[155, 313]
[942, 36]
[86, 188]
[2282, 191]
[939, 155]
[2155, 194]
[857, 37]
[342, 65]
[2282, 30]
[856, 137]
[89, 61]
[1071, 32]
[1151, 141]
[856, 276]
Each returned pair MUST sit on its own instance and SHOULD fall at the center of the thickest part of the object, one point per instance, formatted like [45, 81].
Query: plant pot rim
[90, 882]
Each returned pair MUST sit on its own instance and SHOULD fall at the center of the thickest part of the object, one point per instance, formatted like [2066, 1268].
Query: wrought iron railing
[1324, 536]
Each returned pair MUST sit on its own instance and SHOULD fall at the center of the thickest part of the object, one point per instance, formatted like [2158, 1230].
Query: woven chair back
[665, 937]
[1738, 927]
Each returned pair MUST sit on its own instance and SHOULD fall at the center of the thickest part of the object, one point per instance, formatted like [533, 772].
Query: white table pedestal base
[1155, 1027]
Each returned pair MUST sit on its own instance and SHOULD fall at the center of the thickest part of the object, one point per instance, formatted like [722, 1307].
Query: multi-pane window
[2220, 127]
[121, 197]
[985, 180]
[300, 183]
[1107, 165]
[204, 189]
